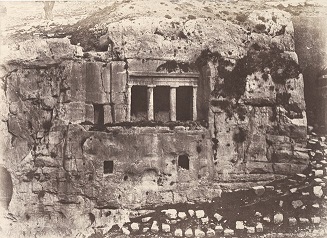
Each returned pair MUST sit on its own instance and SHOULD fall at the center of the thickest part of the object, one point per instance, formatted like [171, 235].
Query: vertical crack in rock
[64, 156]
[112, 104]
[215, 140]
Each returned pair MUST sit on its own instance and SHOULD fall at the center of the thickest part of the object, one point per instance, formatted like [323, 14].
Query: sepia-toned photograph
[163, 118]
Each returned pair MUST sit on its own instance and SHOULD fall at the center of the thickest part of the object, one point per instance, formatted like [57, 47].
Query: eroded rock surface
[74, 142]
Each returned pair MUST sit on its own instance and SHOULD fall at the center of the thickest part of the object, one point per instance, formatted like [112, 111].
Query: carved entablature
[163, 79]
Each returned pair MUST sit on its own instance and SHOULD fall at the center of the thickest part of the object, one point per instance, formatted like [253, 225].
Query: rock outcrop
[71, 143]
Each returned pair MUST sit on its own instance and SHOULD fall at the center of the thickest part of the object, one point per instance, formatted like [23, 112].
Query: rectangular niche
[139, 105]
[98, 114]
[184, 103]
[161, 103]
[183, 162]
[108, 167]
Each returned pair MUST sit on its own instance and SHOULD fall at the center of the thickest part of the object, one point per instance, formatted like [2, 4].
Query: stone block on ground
[218, 217]
[259, 227]
[259, 190]
[135, 226]
[189, 232]
[317, 191]
[250, 229]
[316, 205]
[315, 220]
[146, 219]
[199, 213]
[301, 177]
[239, 225]
[219, 229]
[318, 173]
[318, 180]
[205, 220]
[154, 226]
[293, 190]
[171, 213]
[173, 221]
[292, 221]
[191, 212]
[267, 219]
[258, 214]
[297, 203]
[178, 233]
[211, 232]
[303, 220]
[182, 215]
[165, 228]
[125, 231]
[228, 232]
[199, 233]
[269, 188]
[278, 218]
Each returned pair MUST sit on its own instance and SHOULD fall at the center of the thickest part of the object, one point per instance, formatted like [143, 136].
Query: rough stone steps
[294, 203]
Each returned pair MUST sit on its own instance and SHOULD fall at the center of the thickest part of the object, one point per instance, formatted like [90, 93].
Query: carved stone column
[173, 103]
[150, 103]
[129, 102]
[195, 91]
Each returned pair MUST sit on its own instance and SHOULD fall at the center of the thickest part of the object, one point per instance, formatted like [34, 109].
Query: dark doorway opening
[108, 167]
[139, 105]
[6, 187]
[98, 114]
[184, 162]
[161, 103]
[184, 103]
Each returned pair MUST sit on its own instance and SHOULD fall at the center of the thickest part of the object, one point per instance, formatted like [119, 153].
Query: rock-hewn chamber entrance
[6, 188]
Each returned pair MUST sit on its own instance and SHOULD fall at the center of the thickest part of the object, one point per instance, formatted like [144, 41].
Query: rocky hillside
[250, 128]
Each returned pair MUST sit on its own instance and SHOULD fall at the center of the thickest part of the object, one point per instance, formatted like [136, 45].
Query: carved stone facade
[153, 121]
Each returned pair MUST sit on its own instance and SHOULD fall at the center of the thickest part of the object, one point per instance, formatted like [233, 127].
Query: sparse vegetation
[241, 17]
[173, 66]
[191, 17]
[259, 28]
[240, 136]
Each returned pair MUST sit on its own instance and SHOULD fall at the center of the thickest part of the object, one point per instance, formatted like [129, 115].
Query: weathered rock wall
[250, 106]
[310, 39]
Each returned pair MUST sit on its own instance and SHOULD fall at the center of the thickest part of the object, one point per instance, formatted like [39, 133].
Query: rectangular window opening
[161, 103]
[139, 105]
[98, 114]
[108, 167]
[184, 103]
[183, 162]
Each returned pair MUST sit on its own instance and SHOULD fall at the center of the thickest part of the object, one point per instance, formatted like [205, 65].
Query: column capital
[194, 86]
[151, 86]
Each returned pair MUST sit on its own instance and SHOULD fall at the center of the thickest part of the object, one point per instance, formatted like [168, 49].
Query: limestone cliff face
[251, 120]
